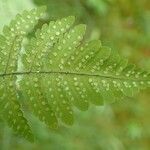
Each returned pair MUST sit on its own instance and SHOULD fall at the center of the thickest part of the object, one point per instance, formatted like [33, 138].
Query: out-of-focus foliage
[124, 25]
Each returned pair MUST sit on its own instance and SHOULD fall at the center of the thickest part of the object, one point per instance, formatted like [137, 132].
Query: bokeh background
[123, 25]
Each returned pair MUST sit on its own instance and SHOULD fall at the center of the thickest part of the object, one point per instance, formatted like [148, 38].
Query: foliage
[59, 71]
[9, 9]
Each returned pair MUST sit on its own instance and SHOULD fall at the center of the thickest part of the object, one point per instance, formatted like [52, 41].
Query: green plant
[58, 71]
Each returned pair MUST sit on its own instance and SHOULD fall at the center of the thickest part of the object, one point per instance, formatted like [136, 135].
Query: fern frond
[60, 71]
[10, 46]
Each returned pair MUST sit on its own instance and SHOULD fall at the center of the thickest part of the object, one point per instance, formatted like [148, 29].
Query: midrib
[73, 74]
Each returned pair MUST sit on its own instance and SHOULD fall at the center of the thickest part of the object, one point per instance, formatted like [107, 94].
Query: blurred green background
[123, 25]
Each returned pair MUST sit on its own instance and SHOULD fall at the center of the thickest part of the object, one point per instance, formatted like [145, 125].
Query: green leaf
[59, 71]
[10, 47]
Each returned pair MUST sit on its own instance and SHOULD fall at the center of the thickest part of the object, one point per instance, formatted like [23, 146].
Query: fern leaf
[60, 71]
[71, 73]
[39, 47]
[10, 48]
